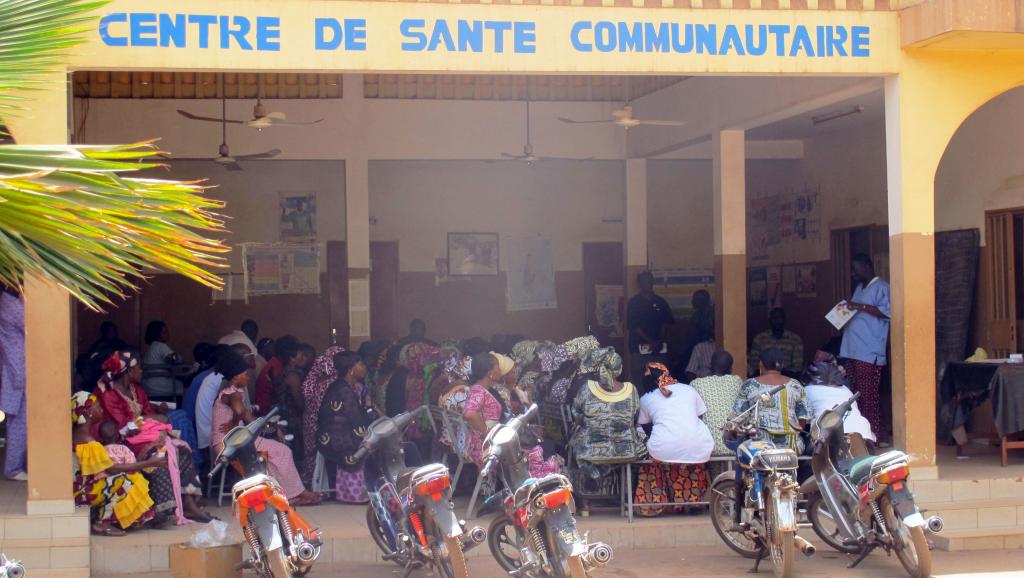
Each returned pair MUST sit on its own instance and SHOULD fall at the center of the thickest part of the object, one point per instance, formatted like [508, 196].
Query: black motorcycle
[411, 516]
[536, 535]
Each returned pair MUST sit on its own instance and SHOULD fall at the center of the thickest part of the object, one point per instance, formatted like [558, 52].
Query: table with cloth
[965, 386]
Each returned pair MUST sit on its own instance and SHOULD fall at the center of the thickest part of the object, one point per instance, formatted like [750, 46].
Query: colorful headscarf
[525, 352]
[580, 347]
[115, 366]
[81, 403]
[664, 380]
[825, 371]
[552, 356]
[458, 368]
[606, 363]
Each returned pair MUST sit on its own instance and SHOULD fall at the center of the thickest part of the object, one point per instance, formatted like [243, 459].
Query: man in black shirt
[647, 317]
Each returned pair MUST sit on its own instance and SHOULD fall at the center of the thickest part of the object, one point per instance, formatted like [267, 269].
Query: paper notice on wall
[531, 275]
[281, 269]
[608, 305]
[233, 289]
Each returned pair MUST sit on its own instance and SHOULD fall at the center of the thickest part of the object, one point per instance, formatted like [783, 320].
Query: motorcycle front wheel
[723, 505]
[504, 542]
[781, 544]
[824, 524]
[277, 564]
[910, 543]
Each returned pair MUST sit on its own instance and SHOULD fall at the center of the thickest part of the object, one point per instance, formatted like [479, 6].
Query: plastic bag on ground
[209, 535]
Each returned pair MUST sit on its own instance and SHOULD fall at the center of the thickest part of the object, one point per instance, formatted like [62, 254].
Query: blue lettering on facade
[264, 34]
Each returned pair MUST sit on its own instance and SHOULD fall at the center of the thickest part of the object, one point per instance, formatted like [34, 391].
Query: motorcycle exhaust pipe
[306, 552]
[598, 555]
[473, 538]
[805, 547]
[935, 524]
[15, 570]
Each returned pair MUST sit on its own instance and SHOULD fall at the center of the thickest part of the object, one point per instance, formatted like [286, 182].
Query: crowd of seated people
[139, 462]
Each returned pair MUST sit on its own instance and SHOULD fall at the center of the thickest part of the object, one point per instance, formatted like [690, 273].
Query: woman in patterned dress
[680, 443]
[785, 415]
[115, 493]
[319, 378]
[345, 414]
[604, 413]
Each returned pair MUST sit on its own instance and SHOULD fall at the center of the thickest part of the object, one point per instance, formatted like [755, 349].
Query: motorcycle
[411, 515]
[537, 524]
[856, 505]
[754, 510]
[282, 543]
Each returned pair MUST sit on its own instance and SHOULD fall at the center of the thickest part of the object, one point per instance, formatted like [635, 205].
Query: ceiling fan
[260, 120]
[624, 116]
[224, 157]
[528, 155]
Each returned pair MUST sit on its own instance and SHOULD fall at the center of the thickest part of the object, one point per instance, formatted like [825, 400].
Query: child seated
[112, 442]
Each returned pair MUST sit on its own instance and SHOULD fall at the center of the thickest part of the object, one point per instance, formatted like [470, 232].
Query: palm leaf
[76, 215]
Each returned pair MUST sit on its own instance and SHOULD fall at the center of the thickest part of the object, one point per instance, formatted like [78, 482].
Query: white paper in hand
[840, 314]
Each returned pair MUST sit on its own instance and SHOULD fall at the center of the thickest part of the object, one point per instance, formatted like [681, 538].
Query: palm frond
[74, 214]
[71, 215]
[34, 35]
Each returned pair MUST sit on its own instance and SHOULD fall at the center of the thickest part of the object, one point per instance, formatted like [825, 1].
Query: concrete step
[945, 491]
[978, 514]
[979, 539]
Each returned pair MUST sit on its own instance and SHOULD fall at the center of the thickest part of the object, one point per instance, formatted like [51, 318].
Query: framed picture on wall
[472, 254]
[298, 217]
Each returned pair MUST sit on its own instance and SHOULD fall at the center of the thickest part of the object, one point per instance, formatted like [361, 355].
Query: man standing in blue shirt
[865, 337]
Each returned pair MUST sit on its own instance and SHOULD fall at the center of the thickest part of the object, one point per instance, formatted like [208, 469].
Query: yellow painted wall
[290, 27]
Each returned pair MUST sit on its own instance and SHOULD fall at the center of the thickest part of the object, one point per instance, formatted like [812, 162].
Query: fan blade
[255, 156]
[571, 121]
[191, 116]
[564, 159]
[515, 157]
[662, 122]
[276, 115]
[233, 166]
[297, 122]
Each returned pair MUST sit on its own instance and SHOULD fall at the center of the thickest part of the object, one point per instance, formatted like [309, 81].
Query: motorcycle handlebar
[485, 472]
[216, 469]
[776, 389]
[361, 453]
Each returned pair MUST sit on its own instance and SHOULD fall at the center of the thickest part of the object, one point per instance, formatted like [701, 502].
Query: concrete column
[357, 243]
[911, 184]
[730, 224]
[47, 335]
[636, 222]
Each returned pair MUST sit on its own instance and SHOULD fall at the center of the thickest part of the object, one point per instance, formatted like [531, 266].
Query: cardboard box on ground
[187, 561]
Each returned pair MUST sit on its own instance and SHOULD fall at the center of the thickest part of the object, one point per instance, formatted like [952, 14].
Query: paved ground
[688, 561]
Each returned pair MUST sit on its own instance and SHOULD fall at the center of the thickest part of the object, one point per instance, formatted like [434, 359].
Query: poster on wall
[281, 269]
[298, 217]
[531, 275]
[806, 281]
[608, 307]
[472, 254]
[758, 287]
[780, 224]
[677, 286]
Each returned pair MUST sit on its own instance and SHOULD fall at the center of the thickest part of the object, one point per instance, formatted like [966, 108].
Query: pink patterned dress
[480, 400]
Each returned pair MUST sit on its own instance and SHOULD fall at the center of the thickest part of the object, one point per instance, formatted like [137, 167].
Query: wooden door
[1002, 286]
[337, 290]
[384, 290]
[604, 266]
